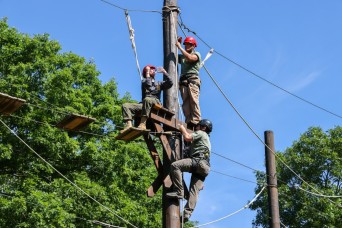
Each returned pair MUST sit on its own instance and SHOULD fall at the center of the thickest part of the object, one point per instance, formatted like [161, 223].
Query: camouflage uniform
[197, 164]
[151, 91]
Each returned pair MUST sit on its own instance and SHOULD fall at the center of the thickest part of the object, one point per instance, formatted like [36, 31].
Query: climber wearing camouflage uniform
[151, 91]
[196, 163]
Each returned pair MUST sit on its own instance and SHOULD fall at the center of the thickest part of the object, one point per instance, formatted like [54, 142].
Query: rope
[255, 74]
[209, 54]
[315, 194]
[131, 37]
[72, 183]
[119, 7]
[241, 209]
[258, 137]
[233, 177]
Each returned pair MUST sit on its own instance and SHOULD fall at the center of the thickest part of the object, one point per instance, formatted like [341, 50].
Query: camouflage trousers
[199, 172]
[130, 109]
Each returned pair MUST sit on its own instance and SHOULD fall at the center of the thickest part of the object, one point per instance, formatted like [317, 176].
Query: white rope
[72, 183]
[315, 194]
[246, 206]
[209, 54]
[131, 37]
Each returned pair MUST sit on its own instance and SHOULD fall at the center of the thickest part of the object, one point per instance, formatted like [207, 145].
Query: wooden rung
[75, 122]
[9, 104]
[162, 112]
[131, 134]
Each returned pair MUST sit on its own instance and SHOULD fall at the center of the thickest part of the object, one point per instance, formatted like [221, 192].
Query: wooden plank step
[131, 134]
[9, 104]
[159, 110]
[75, 122]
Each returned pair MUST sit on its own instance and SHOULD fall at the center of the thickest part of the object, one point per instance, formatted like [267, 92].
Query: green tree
[316, 158]
[115, 173]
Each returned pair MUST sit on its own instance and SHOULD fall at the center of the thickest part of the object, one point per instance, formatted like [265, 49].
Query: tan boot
[128, 124]
[142, 125]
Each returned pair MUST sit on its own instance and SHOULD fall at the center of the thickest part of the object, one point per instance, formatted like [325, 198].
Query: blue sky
[294, 44]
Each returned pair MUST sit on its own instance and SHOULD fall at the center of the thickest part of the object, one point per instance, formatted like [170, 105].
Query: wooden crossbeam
[75, 122]
[9, 104]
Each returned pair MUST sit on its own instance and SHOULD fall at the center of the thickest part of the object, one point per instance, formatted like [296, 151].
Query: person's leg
[184, 91]
[177, 169]
[194, 93]
[147, 105]
[128, 111]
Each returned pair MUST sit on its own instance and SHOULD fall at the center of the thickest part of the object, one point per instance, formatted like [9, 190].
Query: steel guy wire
[72, 183]
[253, 131]
[231, 214]
[53, 125]
[257, 75]
[315, 194]
[136, 10]
[91, 221]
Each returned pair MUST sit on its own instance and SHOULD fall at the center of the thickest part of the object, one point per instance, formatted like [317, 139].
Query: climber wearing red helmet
[189, 81]
[151, 91]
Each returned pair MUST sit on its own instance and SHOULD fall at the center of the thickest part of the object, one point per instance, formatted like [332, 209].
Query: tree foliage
[316, 158]
[115, 173]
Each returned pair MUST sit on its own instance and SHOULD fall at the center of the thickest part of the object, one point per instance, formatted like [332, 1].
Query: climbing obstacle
[131, 134]
[162, 124]
[9, 105]
[75, 122]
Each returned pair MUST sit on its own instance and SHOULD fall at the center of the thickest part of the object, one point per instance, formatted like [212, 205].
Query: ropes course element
[119, 7]
[315, 194]
[253, 131]
[53, 125]
[72, 183]
[241, 209]
[99, 223]
[233, 177]
[258, 76]
[236, 162]
[131, 37]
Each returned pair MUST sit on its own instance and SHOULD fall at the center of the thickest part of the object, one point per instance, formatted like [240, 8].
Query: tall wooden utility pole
[273, 204]
[170, 99]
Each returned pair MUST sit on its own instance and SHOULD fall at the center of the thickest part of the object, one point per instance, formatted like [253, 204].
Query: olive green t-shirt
[200, 143]
[190, 67]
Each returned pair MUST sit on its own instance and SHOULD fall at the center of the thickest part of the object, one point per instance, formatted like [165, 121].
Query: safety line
[99, 223]
[315, 194]
[233, 177]
[131, 37]
[119, 7]
[52, 125]
[241, 209]
[255, 74]
[258, 137]
[236, 162]
[92, 221]
[72, 183]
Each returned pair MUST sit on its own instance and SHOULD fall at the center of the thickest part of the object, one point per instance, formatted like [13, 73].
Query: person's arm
[168, 82]
[185, 133]
[188, 56]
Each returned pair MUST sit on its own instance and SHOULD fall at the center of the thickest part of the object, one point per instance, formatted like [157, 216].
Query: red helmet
[144, 70]
[190, 40]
